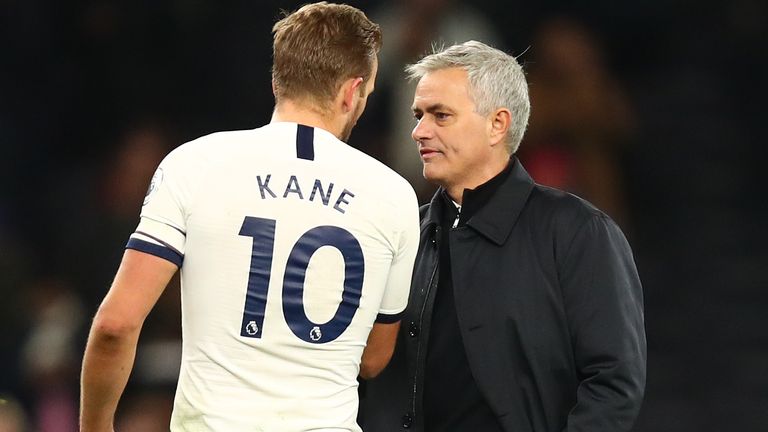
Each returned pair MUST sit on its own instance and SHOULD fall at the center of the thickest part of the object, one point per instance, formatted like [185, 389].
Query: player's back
[290, 241]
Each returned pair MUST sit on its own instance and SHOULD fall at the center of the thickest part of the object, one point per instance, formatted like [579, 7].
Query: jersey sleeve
[162, 228]
[398, 286]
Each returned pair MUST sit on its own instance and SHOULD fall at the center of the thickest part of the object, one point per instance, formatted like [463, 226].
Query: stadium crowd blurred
[651, 110]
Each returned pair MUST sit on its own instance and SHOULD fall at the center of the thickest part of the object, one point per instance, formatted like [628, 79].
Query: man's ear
[274, 88]
[349, 92]
[500, 122]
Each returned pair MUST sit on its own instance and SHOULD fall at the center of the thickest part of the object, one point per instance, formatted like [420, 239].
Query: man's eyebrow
[431, 108]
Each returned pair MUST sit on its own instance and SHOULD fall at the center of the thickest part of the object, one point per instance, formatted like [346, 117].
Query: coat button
[407, 421]
[413, 329]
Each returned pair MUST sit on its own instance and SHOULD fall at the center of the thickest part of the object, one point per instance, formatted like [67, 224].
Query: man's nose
[422, 130]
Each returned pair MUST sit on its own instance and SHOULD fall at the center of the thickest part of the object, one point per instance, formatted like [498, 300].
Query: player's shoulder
[383, 174]
[216, 141]
[388, 179]
[208, 148]
[373, 171]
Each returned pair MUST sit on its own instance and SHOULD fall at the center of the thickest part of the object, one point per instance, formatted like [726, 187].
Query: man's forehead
[443, 81]
[441, 91]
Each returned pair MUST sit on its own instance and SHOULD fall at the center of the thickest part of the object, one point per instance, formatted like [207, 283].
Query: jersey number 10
[263, 233]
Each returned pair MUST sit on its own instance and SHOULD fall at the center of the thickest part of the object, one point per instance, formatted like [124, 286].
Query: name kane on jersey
[293, 190]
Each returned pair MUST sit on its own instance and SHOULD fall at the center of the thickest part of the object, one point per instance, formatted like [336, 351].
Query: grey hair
[496, 80]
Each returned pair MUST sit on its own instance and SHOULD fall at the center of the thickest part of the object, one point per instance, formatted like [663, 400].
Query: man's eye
[442, 116]
[417, 116]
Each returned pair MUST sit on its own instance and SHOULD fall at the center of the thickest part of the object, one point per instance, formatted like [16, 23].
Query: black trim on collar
[305, 142]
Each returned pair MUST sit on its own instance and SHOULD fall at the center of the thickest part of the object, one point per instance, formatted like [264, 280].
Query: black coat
[550, 310]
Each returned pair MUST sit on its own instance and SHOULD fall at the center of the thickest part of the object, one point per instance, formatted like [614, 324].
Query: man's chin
[430, 174]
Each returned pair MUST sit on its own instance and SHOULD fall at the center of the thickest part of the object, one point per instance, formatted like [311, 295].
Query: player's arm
[111, 347]
[378, 351]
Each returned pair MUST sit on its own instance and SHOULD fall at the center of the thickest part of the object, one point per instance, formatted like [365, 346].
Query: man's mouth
[427, 153]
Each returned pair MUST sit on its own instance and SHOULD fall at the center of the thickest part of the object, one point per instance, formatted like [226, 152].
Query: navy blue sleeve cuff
[156, 250]
[389, 319]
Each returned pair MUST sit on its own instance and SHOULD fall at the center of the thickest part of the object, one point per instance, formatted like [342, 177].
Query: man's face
[361, 103]
[453, 139]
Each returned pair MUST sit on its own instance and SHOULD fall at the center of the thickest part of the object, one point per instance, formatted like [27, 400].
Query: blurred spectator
[14, 269]
[12, 415]
[50, 356]
[97, 208]
[410, 28]
[125, 181]
[146, 411]
[580, 118]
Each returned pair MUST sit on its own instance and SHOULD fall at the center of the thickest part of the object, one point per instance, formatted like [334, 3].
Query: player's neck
[288, 111]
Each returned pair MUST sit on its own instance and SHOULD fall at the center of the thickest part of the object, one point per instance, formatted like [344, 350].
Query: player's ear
[350, 90]
[499, 122]
[274, 88]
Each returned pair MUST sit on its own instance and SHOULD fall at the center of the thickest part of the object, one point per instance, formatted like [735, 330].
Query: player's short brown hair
[318, 47]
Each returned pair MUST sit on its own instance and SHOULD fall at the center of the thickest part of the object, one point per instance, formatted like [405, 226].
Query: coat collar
[496, 218]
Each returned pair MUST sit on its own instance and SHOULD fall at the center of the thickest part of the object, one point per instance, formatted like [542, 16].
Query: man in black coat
[526, 310]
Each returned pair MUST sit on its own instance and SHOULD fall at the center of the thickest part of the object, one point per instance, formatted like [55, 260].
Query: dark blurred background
[652, 110]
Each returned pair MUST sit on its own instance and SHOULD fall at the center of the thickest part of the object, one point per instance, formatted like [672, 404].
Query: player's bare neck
[290, 111]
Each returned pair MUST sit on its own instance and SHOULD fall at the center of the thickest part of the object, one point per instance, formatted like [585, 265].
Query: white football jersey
[291, 244]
